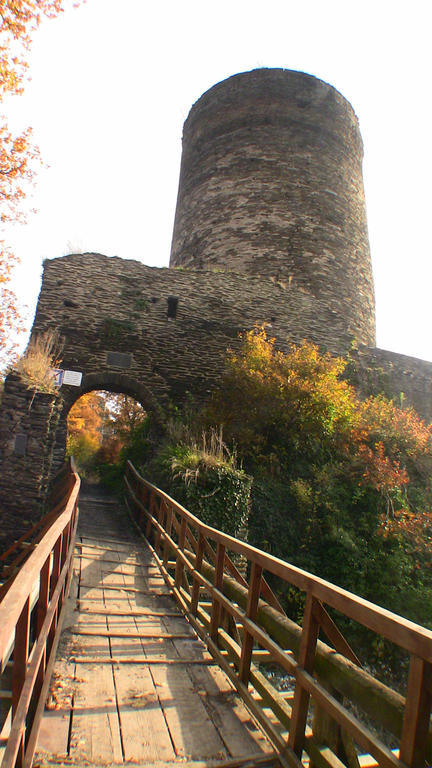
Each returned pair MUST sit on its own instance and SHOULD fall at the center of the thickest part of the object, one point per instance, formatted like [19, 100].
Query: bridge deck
[132, 682]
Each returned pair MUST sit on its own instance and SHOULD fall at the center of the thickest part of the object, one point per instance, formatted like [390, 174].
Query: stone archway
[118, 383]
[121, 383]
[33, 430]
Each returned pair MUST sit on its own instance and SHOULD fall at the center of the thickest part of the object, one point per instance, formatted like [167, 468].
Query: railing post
[42, 608]
[20, 657]
[149, 521]
[74, 516]
[168, 529]
[142, 494]
[67, 533]
[306, 660]
[53, 583]
[251, 613]
[66, 539]
[181, 544]
[56, 567]
[218, 583]
[417, 713]
[160, 521]
[198, 566]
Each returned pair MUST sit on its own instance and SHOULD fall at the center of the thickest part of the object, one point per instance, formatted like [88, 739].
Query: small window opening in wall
[172, 307]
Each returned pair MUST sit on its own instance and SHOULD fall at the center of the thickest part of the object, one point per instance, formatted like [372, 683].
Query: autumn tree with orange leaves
[19, 158]
[124, 415]
[342, 486]
[86, 427]
[100, 426]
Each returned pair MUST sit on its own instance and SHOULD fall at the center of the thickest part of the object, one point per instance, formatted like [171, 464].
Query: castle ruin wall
[270, 229]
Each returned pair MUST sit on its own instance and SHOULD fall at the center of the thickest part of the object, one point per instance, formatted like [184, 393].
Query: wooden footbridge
[176, 652]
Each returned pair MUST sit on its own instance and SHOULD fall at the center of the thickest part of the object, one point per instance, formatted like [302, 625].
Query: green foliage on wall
[219, 497]
[113, 330]
[202, 475]
[342, 486]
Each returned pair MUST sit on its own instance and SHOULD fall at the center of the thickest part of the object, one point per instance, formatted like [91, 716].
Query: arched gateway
[270, 228]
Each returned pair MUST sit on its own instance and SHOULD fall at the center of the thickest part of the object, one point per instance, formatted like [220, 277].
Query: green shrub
[219, 497]
[203, 477]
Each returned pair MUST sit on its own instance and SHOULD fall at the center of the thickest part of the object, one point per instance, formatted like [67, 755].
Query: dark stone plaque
[119, 359]
[20, 446]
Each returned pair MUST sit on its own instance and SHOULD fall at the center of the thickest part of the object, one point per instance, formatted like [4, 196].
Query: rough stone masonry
[270, 228]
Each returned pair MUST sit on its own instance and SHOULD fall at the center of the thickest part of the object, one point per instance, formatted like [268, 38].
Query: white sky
[113, 81]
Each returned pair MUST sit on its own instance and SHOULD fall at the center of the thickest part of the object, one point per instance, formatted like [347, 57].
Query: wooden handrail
[235, 618]
[410, 636]
[30, 618]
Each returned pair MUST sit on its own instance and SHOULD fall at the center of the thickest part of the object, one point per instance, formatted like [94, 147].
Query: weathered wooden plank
[95, 732]
[100, 548]
[95, 539]
[100, 612]
[154, 664]
[54, 729]
[145, 733]
[192, 730]
[144, 573]
[138, 660]
[134, 634]
[251, 761]
[193, 733]
[125, 588]
[109, 600]
[105, 560]
[236, 727]
[146, 737]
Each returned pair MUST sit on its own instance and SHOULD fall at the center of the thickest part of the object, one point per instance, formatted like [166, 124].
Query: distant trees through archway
[100, 426]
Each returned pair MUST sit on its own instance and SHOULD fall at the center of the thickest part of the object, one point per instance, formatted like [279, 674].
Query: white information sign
[58, 374]
[73, 378]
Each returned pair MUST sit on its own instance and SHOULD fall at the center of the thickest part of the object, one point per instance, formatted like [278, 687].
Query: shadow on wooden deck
[132, 682]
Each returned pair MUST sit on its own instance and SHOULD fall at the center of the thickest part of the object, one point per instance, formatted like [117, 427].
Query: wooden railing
[335, 712]
[12, 559]
[31, 606]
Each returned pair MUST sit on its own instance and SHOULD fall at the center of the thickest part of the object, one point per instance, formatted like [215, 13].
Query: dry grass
[36, 365]
[194, 456]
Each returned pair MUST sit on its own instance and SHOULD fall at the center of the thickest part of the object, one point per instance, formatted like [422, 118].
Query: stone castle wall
[114, 317]
[407, 380]
[28, 426]
[270, 228]
[108, 306]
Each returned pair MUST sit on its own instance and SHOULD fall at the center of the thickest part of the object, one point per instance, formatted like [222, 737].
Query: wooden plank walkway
[132, 682]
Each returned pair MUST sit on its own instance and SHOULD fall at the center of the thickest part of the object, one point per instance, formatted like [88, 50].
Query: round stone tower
[271, 184]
